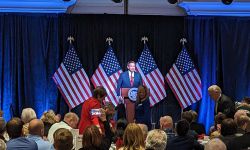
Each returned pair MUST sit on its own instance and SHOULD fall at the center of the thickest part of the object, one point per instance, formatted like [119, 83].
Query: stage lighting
[172, 1]
[227, 2]
[117, 1]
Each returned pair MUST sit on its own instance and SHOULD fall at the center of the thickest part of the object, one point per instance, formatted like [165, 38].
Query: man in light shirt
[69, 122]
[36, 132]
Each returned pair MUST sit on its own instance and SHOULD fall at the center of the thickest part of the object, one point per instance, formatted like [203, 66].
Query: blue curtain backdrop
[221, 49]
[29, 55]
[32, 47]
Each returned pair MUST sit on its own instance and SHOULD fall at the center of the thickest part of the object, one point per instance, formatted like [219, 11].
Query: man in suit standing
[127, 79]
[224, 104]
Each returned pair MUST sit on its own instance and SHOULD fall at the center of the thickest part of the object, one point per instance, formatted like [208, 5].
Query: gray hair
[28, 114]
[2, 145]
[71, 115]
[215, 144]
[156, 139]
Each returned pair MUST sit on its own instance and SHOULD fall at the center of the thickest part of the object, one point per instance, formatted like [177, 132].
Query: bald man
[215, 144]
[224, 104]
[36, 131]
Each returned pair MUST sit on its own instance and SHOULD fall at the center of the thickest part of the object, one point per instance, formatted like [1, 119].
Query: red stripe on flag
[174, 91]
[182, 100]
[65, 87]
[77, 100]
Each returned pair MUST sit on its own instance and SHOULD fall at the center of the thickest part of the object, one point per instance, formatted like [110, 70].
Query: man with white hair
[224, 104]
[69, 122]
[156, 140]
[215, 144]
[166, 124]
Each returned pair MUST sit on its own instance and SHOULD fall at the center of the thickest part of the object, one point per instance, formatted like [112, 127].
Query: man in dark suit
[127, 79]
[224, 104]
[242, 142]
[183, 141]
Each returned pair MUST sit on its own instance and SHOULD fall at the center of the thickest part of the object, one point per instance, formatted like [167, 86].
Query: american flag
[72, 80]
[151, 76]
[184, 80]
[107, 74]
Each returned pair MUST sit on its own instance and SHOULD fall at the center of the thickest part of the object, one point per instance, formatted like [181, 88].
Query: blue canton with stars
[146, 61]
[184, 62]
[110, 63]
[71, 61]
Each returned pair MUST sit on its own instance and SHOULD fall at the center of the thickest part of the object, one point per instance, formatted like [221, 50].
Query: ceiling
[134, 7]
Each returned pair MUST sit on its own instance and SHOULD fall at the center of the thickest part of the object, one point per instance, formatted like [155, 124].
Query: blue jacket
[124, 81]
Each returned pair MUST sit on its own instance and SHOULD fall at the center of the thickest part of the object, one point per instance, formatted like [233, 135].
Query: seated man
[215, 144]
[194, 125]
[166, 124]
[183, 141]
[69, 122]
[36, 132]
[63, 139]
[17, 141]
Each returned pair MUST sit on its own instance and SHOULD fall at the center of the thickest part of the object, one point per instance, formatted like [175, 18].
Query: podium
[129, 105]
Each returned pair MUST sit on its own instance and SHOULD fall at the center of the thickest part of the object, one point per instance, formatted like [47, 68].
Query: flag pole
[70, 39]
[183, 41]
[109, 40]
[144, 39]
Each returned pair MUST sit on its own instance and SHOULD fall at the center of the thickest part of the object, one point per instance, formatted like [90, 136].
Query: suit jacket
[197, 127]
[226, 105]
[183, 143]
[242, 142]
[124, 81]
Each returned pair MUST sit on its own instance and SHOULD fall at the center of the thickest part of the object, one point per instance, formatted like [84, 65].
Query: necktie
[131, 80]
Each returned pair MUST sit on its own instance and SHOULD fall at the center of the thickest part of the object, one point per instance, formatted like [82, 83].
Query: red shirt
[86, 118]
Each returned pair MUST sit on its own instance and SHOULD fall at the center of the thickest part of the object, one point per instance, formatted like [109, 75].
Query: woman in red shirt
[91, 110]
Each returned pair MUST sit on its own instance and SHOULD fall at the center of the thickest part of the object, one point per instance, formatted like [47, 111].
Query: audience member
[3, 134]
[228, 127]
[244, 105]
[17, 142]
[121, 125]
[243, 141]
[110, 112]
[241, 125]
[63, 139]
[228, 131]
[215, 144]
[224, 104]
[156, 140]
[144, 129]
[36, 131]
[92, 139]
[183, 141]
[187, 115]
[217, 122]
[48, 118]
[215, 134]
[2, 145]
[166, 124]
[194, 125]
[27, 115]
[69, 122]
[133, 138]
